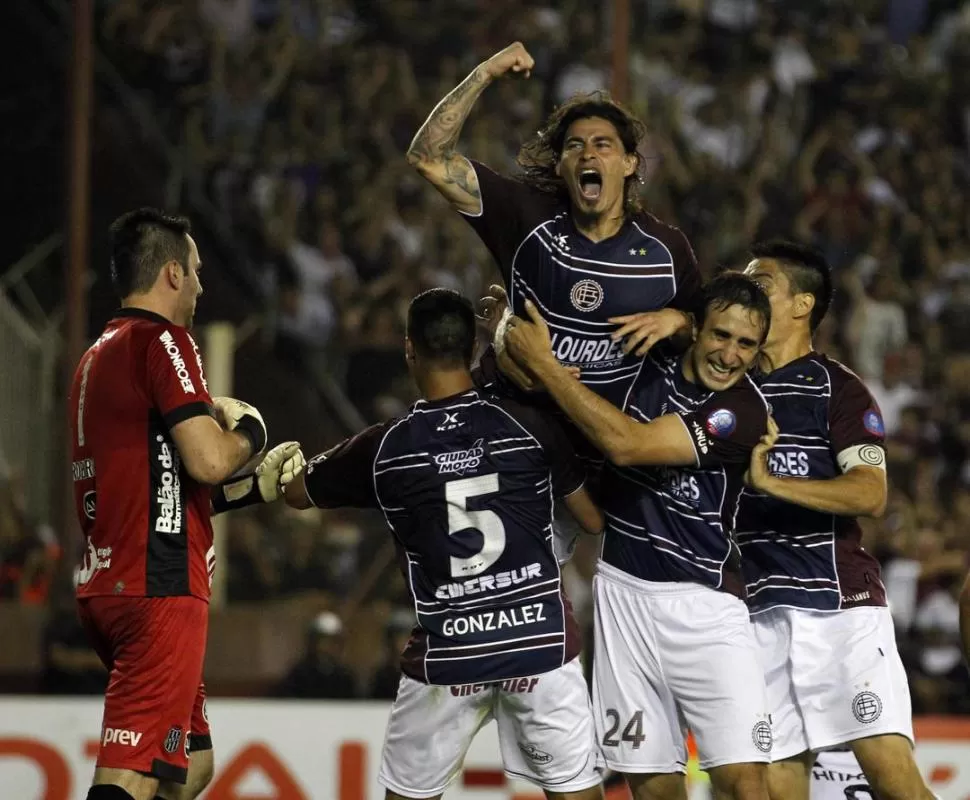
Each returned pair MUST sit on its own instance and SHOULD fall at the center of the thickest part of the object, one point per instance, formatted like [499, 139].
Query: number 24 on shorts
[632, 731]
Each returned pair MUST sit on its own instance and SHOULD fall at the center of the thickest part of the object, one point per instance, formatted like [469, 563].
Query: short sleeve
[344, 475]
[690, 292]
[501, 224]
[568, 473]
[176, 380]
[854, 417]
[726, 428]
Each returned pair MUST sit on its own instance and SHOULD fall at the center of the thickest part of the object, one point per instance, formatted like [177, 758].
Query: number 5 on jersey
[486, 522]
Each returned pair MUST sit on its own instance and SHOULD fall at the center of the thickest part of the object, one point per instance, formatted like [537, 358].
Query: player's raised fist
[278, 468]
[514, 58]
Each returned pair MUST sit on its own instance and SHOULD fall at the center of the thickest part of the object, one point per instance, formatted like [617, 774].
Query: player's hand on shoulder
[514, 58]
[235, 415]
[758, 473]
[643, 330]
[528, 340]
[278, 469]
[492, 308]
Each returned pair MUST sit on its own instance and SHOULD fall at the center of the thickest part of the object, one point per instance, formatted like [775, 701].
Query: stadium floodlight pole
[620, 34]
[80, 89]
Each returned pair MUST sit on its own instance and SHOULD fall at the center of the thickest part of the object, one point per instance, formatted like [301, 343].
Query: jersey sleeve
[344, 475]
[856, 428]
[566, 469]
[176, 380]
[726, 428]
[500, 224]
[690, 292]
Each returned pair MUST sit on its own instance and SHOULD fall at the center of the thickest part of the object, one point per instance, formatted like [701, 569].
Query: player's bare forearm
[433, 153]
[860, 492]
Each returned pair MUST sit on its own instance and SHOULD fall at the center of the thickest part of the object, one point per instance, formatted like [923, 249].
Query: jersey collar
[140, 313]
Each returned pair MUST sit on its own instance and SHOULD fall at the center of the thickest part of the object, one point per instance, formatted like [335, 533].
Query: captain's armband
[862, 455]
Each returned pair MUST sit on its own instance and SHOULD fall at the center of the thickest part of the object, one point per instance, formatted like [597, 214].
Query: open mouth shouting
[590, 183]
[718, 374]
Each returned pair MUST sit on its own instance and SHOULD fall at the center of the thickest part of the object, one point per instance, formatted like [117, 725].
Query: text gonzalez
[488, 583]
[494, 620]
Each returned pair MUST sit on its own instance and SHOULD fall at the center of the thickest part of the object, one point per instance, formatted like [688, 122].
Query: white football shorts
[673, 656]
[832, 677]
[545, 729]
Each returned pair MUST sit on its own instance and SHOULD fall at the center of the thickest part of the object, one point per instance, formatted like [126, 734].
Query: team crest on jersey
[721, 422]
[173, 739]
[586, 295]
[872, 422]
[866, 707]
[459, 461]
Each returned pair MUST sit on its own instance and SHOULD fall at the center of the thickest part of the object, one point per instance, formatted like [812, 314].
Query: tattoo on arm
[436, 140]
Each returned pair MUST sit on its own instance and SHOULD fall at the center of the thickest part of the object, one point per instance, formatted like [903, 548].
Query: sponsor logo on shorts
[586, 295]
[721, 422]
[489, 583]
[168, 494]
[120, 736]
[494, 620]
[866, 707]
[512, 685]
[595, 353]
[535, 754]
[83, 470]
[761, 736]
[175, 356]
[90, 503]
[872, 422]
[174, 739]
[460, 461]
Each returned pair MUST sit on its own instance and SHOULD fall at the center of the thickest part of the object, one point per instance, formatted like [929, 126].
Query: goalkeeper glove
[235, 415]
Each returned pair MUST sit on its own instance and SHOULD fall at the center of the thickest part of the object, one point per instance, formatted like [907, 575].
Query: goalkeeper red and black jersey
[146, 521]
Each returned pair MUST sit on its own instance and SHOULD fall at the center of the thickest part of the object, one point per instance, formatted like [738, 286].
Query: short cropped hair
[539, 156]
[441, 327]
[142, 242]
[806, 269]
[735, 289]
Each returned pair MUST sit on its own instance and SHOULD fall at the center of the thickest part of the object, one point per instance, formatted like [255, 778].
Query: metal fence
[29, 411]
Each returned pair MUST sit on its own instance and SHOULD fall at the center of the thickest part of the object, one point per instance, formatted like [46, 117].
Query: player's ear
[630, 163]
[804, 303]
[559, 167]
[174, 274]
[408, 350]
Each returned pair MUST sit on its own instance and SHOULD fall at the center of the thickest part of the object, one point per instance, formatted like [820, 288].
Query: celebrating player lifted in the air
[569, 233]
[673, 641]
[466, 482]
[832, 669]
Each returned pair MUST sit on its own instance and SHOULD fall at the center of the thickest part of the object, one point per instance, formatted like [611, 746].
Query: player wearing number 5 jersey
[673, 642]
[146, 451]
[467, 482]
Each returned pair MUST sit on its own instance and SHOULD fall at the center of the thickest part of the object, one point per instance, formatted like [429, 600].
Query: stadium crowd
[844, 124]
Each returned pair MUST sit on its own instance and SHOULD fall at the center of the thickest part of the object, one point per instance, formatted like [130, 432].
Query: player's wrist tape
[237, 493]
[254, 430]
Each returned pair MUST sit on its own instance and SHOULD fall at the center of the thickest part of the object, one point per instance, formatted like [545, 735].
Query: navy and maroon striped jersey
[793, 556]
[145, 519]
[579, 284]
[677, 523]
[467, 486]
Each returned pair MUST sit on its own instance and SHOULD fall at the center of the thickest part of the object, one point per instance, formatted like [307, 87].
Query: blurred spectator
[397, 632]
[28, 551]
[321, 673]
[71, 666]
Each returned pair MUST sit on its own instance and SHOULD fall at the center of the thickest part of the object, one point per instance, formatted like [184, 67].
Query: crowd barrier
[312, 750]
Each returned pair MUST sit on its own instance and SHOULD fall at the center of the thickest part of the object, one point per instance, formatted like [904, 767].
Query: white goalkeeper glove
[235, 415]
[277, 470]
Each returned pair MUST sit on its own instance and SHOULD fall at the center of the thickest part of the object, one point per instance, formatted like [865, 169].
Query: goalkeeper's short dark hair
[807, 269]
[142, 242]
[441, 327]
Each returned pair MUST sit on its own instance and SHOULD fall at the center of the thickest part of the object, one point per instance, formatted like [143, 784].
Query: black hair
[806, 269]
[441, 326]
[539, 156]
[736, 289]
[142, 242]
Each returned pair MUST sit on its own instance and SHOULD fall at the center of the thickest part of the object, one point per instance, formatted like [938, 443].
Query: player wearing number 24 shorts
[467, 483]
